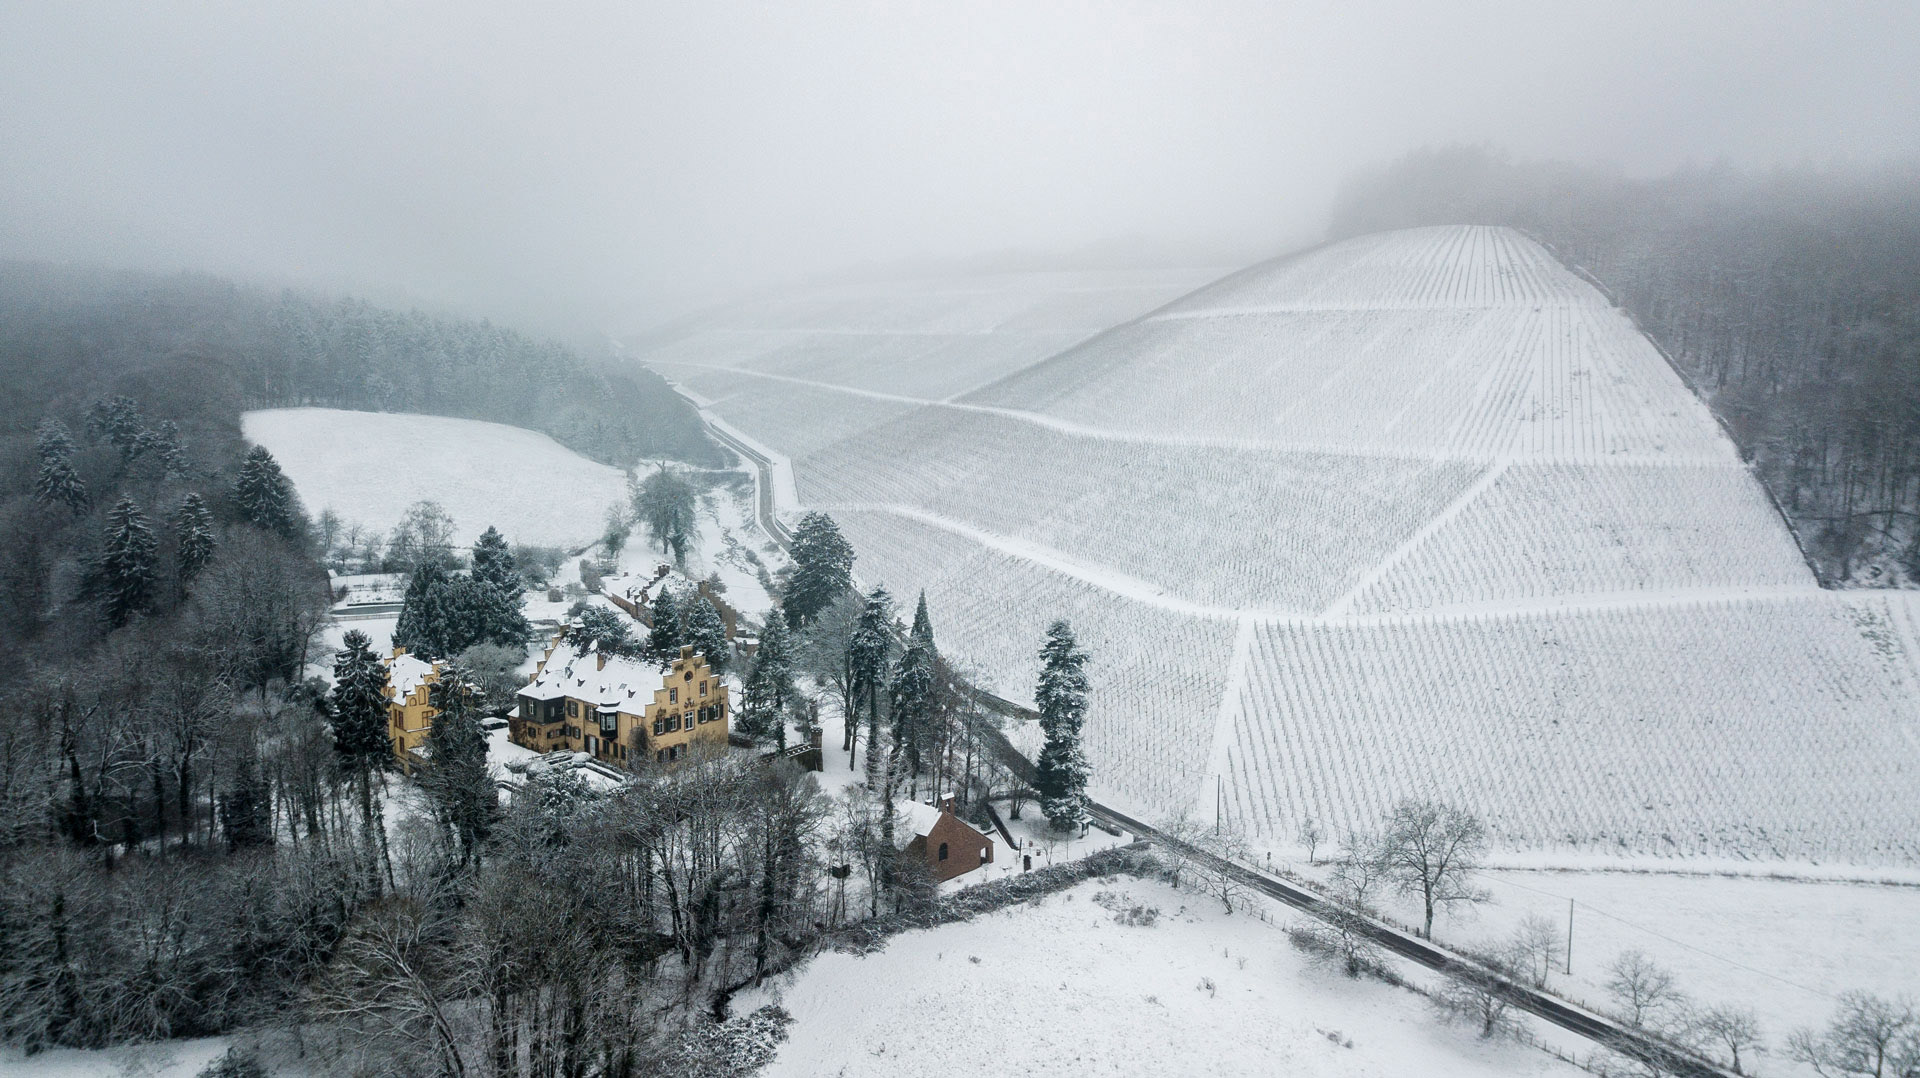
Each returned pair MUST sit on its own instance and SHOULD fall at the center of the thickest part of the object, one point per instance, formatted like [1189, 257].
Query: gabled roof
[406, 673]
[915, 820]
[623, 684]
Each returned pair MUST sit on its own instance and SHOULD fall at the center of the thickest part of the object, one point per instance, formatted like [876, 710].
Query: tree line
[1789, 299]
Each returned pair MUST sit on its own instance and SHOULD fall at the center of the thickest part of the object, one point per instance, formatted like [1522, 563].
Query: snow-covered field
[369, 467]
[1413, 513]
[1060, 988]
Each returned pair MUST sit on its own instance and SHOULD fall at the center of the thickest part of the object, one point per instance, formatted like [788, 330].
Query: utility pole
[1569, 937]
[1219, 801]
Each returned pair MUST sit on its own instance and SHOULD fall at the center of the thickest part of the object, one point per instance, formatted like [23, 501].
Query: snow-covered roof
[622, 684]
[407, 673]
[916, 820]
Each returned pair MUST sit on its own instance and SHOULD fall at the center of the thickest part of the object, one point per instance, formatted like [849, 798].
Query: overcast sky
[615, 164]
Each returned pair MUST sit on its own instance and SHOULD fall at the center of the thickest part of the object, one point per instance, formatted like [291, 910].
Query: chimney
[600, 660]
[814, 736]
[946, 804]
[398, 651]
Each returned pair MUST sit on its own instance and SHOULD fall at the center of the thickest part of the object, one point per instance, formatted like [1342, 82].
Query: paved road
[1600, 1029]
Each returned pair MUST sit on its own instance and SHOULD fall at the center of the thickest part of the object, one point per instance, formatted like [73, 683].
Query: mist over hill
[1790, 299]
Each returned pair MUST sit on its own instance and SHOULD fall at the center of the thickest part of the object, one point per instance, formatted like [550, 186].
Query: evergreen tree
[459, 781]
[595, 628]
[494, 565]
[58, 483]
[708, 633]
[663, 643]
[263, 495]
[1061, 775]
[769, 687]
[357, 712]
[123, 578]
[117, 421]
[822, 568]
[193, 539]
[426, 611]
[869, 650]
[913, 692]
[358, 702]
[246, 810]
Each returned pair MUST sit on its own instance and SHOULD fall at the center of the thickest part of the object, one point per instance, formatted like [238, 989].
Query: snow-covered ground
[165, 1059]
[1061, 988]
[1417, 513]
[370, 467]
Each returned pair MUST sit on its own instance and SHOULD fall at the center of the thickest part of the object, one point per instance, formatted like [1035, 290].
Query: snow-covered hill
[369, 467]
[1416, 513]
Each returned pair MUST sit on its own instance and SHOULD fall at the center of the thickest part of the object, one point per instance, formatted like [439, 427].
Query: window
[673, 696]
[659, 727]
[660, 756]
[688, 676]
[943, 851]
[703, 688]
[673, 722]
[573, 709]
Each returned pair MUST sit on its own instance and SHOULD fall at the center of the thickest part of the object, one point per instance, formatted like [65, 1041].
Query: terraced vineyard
[1417, 513]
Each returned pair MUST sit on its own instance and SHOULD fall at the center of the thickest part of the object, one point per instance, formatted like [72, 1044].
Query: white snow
[1478, 521]
[1061, 989]
[161, 1059]
[370, 467]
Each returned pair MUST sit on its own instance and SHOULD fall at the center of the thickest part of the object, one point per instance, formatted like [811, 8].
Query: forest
[1788, 299]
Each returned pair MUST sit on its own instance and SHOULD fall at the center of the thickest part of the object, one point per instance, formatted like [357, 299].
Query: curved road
[1606, 1032]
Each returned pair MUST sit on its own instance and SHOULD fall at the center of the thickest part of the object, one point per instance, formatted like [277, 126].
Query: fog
[615, 165]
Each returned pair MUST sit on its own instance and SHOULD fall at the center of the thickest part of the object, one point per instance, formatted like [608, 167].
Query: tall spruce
[666, 636]
[57, 482]
[263, 495]
[357, 712]
[769, 686]
[459, 782]
[822, 569]
[193, 539]
[869, 650]
[708, 633]
[490, 595]
[426, 613]
[117, 421]
[913, 693]
[1061, 775]
[123, 578]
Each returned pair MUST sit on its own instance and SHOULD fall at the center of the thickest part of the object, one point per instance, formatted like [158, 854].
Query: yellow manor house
[620, 709]
[409, 715]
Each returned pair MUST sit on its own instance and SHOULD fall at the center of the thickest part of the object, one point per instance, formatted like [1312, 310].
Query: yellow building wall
[687, 688]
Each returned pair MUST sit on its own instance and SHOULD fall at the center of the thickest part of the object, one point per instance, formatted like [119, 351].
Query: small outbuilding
[949, 845]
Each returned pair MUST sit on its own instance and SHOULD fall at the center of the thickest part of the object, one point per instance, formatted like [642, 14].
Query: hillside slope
[1415, 513]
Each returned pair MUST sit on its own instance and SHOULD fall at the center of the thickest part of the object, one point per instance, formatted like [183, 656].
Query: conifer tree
[708, 633]
[769, 687]
[263, 495]
[459, 781]
[58, 483]
[822, 569]
[117, 421]
[595, 628]
[123, 579]
[869, 650]
[494, 564]
[664, 641]
[912, 693]
[357, 712]
[246, 810]
[1061, 774]
[425, 612]
[193, 540]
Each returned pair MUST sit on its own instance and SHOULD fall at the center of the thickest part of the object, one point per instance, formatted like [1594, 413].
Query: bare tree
[1536, 949]
[1346, 930]
[1478, 995]
[1645, 992]
[1868, 1037]
[1310, 835]
[1729, 1028]
[1432, 850]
